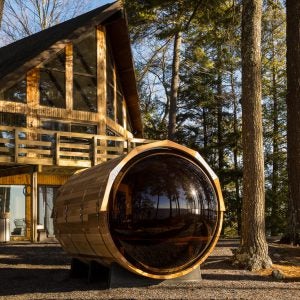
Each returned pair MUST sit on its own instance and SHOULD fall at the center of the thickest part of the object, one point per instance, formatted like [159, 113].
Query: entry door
[46, 197]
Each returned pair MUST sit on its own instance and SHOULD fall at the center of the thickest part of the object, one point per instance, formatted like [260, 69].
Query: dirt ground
[41, 271]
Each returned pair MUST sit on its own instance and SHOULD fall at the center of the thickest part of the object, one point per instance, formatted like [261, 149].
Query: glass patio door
[45, 205]
[12, 202]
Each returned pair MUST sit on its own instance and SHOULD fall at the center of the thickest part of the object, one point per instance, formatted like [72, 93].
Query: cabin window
[13, 120]
[119, 104]
[129, 125]
[83, 128]
[85, 74]
[10, 119]
[85, 93]
[110, 132]
[113, 143]
[53, 82]
[69, 127]
[110, 82]
[16, 93]
[55, 126]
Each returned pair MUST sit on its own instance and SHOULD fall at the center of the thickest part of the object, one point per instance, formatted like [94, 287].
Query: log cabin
[68, 101]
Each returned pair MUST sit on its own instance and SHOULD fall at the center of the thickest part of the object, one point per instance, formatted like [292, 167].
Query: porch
[34, 163]
[23, 146]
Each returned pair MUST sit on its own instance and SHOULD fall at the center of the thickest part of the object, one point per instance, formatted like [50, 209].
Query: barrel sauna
[156, 211]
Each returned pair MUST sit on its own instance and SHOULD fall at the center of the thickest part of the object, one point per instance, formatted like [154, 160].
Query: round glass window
[163, 213]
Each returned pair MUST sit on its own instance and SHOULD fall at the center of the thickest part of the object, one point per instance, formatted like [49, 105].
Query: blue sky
[97, 3]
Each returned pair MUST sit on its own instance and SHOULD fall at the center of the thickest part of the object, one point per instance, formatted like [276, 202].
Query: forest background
[208, 110]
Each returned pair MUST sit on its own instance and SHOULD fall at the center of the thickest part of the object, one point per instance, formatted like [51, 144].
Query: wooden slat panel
[35, 151]
[52, 179]
[76, 154]
[74, 163]
[74, 146]
[85, 136]
[15, 179]
[35, 161]
[48, 112]
[142, 141]
[4, 149]
[116, 149]
[111, 138]
[6, 159]
[36, 143]
[16, 145]
[108, 156]
[2, 140]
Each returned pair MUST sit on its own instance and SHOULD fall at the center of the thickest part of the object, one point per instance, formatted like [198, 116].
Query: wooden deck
[19, 146]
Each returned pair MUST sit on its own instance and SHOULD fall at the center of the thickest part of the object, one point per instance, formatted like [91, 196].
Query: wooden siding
[42, 179]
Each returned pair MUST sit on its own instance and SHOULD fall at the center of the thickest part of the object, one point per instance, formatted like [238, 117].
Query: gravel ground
[41, 271]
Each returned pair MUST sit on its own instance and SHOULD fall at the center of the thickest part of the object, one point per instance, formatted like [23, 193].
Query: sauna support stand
[116, 276]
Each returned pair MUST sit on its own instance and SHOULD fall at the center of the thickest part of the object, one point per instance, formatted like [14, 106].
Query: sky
[98, 3]
[5, 37]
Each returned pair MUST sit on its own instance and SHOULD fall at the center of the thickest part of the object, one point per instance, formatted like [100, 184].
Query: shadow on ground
[16, 281]
[45, 268]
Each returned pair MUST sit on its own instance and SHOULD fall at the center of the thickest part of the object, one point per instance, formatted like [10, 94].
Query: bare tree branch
[25, 17]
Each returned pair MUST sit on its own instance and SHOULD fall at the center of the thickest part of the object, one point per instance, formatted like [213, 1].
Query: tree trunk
[293, 117]
[220, 126]
[1, 10]
[174, 86]
[253, 250]
[235, 154]
[275, 174]
[205, 132]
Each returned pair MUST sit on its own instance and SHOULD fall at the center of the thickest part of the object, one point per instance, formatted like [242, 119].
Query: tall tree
[274, 113]
[293, 116]
[253, 250]
[174, 86]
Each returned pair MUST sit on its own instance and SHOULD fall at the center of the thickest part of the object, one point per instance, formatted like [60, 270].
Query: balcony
[20, 146]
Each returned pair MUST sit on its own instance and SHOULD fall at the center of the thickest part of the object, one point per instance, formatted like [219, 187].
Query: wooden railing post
[57, 147]
[128, 145]
[94, 149]
[16, 132]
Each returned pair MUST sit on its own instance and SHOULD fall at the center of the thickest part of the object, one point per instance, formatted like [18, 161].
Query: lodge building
[68, 100]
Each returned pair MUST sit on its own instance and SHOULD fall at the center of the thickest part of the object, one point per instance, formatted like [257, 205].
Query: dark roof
[16, 54]
[18, 58]
[21, 51]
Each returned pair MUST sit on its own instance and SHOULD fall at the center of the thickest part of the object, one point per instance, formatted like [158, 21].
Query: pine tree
[274, 87]
[253, 250]
[293, 117]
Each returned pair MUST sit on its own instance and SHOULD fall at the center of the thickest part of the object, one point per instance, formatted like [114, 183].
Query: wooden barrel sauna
[156, 211]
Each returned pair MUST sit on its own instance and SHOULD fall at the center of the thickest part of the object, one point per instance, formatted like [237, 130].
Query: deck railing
[56, 148]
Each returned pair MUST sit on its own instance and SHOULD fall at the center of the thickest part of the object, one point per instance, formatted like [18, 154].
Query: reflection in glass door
[12, 201]
[45, 206]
